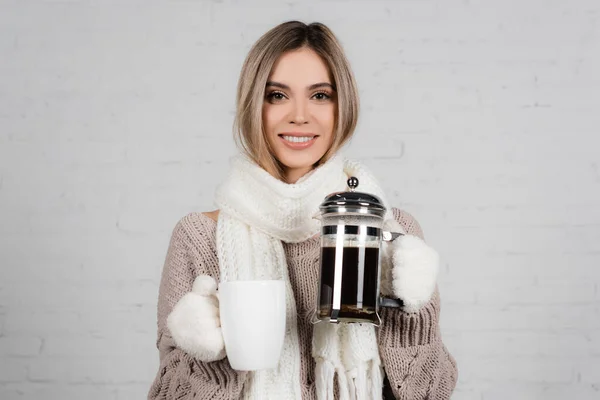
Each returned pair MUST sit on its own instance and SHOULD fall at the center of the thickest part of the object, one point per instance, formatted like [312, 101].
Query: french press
[351, 237]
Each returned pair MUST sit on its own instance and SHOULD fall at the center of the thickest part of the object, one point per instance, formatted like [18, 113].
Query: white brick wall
[481, 117]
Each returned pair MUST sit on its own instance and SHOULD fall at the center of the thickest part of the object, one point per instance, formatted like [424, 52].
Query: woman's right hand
[194, 322]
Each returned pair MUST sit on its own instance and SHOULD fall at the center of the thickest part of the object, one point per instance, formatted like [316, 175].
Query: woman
[297, 105]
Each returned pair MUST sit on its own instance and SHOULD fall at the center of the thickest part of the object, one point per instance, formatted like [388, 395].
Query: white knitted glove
[194, 322]
[409, 270]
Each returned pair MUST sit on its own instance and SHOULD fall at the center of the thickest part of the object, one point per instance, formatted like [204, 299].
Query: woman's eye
[276, 96]
[321, 96]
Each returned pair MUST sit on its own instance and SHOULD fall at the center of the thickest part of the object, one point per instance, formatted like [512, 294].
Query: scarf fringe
[376, 380]
[324, 378]
[358, 384]
[346, 392]
[365, 382]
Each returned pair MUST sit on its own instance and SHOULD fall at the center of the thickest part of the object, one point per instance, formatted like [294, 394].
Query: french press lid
[352, 201]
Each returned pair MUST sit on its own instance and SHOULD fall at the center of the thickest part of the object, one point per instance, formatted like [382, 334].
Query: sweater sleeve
[416, 362]
[181, 376]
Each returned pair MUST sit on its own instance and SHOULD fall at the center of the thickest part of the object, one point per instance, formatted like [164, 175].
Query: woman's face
[299, 111]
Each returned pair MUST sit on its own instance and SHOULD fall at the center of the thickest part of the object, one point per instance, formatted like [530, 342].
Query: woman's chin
[299, 158]
[299, 162]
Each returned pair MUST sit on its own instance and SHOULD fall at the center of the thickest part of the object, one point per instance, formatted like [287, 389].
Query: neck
[291, 175]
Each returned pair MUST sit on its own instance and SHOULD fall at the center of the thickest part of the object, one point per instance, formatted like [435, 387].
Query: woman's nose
[299, 112]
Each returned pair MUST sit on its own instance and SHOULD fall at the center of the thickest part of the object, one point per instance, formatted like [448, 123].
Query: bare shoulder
[195, 224]
[214, 215]
[408, 222]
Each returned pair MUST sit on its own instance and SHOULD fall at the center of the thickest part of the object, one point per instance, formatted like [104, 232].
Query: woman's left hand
[409, 270]
[415, 267]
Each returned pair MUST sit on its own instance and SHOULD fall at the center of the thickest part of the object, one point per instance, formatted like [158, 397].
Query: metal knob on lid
[352, 183]
[353, 201]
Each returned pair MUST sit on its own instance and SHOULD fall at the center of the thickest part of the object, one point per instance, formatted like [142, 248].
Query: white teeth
[295, 139]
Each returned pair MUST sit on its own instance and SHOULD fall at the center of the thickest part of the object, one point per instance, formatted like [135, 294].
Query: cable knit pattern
[415, 360]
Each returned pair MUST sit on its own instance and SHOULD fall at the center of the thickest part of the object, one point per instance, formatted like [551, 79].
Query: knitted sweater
[416, 362]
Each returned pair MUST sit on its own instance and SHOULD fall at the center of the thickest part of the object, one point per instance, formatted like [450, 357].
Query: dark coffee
[351, 306]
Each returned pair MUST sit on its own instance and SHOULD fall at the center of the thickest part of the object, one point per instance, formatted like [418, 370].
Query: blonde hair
[248, 126]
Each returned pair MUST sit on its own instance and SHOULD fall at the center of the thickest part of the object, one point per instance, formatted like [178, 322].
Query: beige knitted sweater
[416, 362]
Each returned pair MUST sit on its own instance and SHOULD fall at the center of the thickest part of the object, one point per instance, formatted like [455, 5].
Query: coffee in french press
[359, 280]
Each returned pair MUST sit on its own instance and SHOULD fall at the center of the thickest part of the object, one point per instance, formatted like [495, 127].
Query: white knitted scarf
[257, 213]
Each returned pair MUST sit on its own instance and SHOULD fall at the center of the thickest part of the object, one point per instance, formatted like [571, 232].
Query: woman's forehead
[300, 68]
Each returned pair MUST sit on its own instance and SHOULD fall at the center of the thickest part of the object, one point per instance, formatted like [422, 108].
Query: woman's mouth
[298, 142]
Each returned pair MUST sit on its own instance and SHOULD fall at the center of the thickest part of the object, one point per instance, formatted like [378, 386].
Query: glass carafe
[351, 236]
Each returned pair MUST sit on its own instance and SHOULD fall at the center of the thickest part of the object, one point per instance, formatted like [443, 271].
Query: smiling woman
[297, 100]
[297, 105]
[299, 112]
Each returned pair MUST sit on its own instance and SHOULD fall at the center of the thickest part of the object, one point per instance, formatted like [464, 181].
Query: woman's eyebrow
[311, 87]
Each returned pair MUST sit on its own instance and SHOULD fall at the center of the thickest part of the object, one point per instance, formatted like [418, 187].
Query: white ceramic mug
[253, 322]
